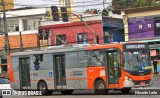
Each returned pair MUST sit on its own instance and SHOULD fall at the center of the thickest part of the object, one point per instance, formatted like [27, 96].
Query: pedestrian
[155, 66]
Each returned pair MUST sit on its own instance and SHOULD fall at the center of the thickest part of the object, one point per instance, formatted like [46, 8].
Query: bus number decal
[76, 73]
[34, 74]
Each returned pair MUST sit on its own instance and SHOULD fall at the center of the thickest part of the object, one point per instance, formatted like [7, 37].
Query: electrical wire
[42, 6]
[113, 30]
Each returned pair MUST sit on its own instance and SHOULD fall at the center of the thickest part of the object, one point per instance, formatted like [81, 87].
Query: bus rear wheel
[42, 86]
[67, 92]
[100, 87]
[125, 90]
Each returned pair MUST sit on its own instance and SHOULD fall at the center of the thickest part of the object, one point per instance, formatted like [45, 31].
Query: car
[5, 84]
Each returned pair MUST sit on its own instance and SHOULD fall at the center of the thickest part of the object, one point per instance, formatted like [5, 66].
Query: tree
[104, 12]
[124, 4]
[93, 11]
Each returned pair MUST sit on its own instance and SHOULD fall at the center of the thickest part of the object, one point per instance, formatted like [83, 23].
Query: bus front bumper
[136, 84]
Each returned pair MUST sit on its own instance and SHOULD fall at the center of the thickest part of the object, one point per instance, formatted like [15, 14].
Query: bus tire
[67, 92]
[100, 87]
[42, 86]
[125, 90]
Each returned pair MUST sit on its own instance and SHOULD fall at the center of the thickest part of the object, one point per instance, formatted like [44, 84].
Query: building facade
[72, 33]
[22, 23]
[113, 30]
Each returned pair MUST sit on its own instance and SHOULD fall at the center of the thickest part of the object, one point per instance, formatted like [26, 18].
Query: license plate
[142, 83]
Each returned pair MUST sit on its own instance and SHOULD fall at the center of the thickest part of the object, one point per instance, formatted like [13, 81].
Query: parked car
[4, 83]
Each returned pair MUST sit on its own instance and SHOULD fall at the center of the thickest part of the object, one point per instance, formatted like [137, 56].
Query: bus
[114, 66]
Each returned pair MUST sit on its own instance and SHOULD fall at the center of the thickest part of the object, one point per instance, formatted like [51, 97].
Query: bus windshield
[137, 61]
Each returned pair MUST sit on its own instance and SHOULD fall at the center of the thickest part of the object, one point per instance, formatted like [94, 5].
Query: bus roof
[77, 47]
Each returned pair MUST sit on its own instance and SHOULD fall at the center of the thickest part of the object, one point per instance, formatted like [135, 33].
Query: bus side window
[82, 57]
[72, 60]
[96, 58]
[39, 56]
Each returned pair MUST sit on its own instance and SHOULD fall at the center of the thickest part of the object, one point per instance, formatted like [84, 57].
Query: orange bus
[84, 67]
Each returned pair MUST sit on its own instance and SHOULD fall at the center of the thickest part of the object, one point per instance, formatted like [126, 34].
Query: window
[4, 69]
[3, 61]
[70, 57]
[31, 24]
[60, 39]
[13, 25]
[91, 58]
[110, 37]
[82, 38]
[39, 57]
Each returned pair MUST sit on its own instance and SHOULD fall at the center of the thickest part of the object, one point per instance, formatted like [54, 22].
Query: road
[112, 94]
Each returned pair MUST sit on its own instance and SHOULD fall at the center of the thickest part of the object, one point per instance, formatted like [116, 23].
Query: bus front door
[60, 76]
[112, 69]
[24, 73]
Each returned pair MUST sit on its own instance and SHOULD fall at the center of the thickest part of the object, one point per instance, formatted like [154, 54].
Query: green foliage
[93, 11]
[104, 12]
[124, 4]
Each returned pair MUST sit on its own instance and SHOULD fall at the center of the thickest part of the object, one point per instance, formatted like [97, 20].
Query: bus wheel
[67, 92]
[42, 86]
[125, 90]
[100, 87]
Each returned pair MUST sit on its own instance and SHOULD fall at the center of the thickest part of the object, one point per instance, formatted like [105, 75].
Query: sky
[79, 5]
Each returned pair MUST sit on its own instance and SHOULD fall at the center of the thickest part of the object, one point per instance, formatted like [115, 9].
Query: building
[113, 29]
[26, 21]
[71, 33]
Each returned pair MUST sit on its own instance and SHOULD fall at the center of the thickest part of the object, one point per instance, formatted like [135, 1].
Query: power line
[42, 6]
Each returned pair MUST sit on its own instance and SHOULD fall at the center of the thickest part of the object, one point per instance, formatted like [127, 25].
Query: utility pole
[0, 25]
[21, 43]
[7, 47]
[103, 4]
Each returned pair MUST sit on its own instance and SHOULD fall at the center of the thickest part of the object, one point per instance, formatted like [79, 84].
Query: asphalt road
[150, 92]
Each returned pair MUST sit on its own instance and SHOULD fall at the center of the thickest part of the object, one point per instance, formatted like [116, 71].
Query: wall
[29, 41]
[141, 28]
[114, 27]
[71, 30]
[144, 27]
[138, 13]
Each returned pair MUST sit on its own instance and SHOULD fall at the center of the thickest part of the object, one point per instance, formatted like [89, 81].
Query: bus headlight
[127, 78]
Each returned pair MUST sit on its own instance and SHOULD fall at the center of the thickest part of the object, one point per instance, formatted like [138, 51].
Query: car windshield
[137, 61]
[4, 81]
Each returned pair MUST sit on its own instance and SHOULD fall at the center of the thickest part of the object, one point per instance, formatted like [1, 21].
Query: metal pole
[85, 24]
[7, 48]
[103, 4]
[21, 43]
[0, 25]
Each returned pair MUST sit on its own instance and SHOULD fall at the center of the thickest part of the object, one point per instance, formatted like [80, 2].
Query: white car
[4, 84]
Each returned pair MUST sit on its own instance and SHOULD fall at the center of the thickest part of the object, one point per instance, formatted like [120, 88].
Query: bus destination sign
[134, 46]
